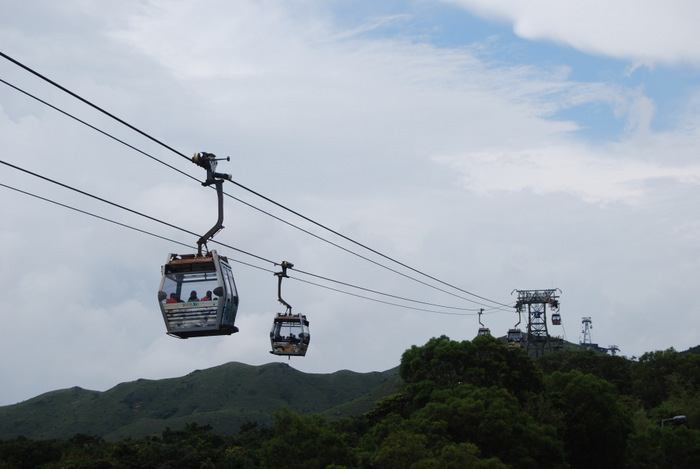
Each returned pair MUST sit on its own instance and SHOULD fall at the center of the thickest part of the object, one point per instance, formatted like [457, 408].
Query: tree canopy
[463, 404]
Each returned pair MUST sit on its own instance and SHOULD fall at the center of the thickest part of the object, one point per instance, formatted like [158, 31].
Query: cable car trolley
[515, 335]
[289, 335]
[198, 295]
[483, 330]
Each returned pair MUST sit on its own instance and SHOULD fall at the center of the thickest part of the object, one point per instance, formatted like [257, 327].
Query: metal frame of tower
[534, 303]
[586, 326]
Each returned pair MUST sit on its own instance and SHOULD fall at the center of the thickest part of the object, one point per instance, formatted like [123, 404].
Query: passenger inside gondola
[206, 297]
[172, 299]
[193, 296]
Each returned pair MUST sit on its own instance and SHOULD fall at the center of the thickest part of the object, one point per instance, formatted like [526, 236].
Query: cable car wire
[347, 238]
[148, 155]
[195, 234]
[278, 204]
[165, 238]
[380, 301]
[85, 212]
[380, 293]
[89, 103]
[136, 212]
[96, 129]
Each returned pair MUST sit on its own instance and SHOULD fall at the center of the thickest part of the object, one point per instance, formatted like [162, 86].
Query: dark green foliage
[657, 447]
[482, 362]
[488, 417]
[660, 375]
[304, 442]
[478, 404]
[616, 370]
[594, 424]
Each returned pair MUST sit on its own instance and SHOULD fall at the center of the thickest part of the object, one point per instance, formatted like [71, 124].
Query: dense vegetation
[476, 404]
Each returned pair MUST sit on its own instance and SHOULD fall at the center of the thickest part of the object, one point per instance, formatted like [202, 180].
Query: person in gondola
[193, 296]
[172, 299]
[207, 297]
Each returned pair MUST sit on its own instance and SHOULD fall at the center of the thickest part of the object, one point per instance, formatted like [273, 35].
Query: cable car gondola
[515, 335]
[211, 303]
[289, 335]
[483, 330]
[556, 319]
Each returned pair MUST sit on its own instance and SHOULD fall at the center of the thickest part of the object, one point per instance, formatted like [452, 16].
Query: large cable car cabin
[289, 335]
[198, 295]
[556, 319]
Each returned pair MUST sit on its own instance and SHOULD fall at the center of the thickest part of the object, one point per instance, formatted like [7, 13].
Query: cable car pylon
[289, 335]
[212, 302]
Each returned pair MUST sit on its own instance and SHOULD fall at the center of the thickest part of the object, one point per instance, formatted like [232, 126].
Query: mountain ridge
[225, 397]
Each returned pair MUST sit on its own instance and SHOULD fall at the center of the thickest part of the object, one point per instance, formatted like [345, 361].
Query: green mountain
[224, 397]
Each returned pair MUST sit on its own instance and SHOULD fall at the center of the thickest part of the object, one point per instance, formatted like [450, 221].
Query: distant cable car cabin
[198, 295]
[483, 330]
[556, 319]
[515, 335]
[289, 335]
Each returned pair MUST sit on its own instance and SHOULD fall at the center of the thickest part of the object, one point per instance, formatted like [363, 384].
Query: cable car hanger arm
[208, 162]
[280, 275]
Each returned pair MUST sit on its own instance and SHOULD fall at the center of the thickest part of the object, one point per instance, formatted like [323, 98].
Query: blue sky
[448, 25]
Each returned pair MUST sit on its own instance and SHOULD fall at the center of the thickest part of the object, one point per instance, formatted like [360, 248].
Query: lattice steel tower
[586, 326]
[534, 303]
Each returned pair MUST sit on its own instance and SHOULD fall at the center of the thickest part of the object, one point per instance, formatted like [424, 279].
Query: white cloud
[343, 128]
[646, 31]
[594, 175]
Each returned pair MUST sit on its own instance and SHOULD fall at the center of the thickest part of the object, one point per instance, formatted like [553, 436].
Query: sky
[492, 145]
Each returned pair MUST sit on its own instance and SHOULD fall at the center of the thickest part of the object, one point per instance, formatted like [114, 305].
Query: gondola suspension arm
[208, 161]
[280, 275]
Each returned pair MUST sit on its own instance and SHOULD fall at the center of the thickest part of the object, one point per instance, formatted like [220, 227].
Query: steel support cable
[155, 235]
[347, 238]
[380, 301]
[310, 233]
[310, 274]
[85, 212]
[136, 212]
[96, 129]
[124, 225]
[321, 225]
[94, 106]
[217, 242]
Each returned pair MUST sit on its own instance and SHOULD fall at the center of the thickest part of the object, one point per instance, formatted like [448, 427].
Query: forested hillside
[224, 397]
[478, 404]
